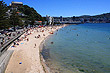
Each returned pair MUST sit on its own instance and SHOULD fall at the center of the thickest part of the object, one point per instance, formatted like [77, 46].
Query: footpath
[6, 54]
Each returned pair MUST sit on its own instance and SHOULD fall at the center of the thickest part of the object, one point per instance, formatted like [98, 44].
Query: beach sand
[26, 56]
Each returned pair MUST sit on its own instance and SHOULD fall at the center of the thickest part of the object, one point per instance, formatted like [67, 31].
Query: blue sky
[67, 7]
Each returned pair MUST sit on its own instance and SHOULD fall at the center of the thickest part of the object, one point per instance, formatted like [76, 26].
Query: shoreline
[42, 60]
[28, 53]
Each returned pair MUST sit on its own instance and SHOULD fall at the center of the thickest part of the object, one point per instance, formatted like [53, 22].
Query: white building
[50, 20]
[16, 4]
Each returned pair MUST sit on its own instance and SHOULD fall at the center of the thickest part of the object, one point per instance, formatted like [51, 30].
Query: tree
[26, 23]
[73, 18]
[14, 18]
[32, 19]
[31, 13]
[4, 22]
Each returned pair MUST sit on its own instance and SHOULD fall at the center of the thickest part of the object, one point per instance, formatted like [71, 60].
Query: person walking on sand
[27, 39]
[35, 46]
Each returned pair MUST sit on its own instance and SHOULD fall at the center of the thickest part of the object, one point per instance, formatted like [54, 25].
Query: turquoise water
[79, 48]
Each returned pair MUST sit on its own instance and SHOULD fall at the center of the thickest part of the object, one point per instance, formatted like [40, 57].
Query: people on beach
[14, 43]
[42, 30]
[43, 34]
[9, 34]
[35, 46]
[17, 43]
[51, 32]
[1, 42]
[35, 37]
[38, 36]
[27, 33]
[27, 39]
[13, 34]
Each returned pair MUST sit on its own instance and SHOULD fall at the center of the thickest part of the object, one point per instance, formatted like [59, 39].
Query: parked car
[44, 25]
[3, 31]
[19, 28]
[1, 37]
[10, 30]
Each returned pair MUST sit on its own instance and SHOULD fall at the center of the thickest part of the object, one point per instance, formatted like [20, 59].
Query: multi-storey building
[50, 20]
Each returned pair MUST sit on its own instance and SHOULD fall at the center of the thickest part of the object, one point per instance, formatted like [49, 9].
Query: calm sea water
[79, 48]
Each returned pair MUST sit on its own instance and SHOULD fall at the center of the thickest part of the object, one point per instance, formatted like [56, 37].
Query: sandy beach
[26, 57]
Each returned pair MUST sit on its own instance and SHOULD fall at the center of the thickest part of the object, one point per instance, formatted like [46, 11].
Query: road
[4, 38]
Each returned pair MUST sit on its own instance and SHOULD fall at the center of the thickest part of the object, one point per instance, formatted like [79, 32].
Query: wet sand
[26, 57]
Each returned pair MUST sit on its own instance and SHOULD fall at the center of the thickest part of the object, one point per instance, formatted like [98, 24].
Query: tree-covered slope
[30, 12]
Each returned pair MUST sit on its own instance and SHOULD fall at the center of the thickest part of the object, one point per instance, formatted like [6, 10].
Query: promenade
[8, 38]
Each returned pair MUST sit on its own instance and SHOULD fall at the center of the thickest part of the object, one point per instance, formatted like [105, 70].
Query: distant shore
[26, 57]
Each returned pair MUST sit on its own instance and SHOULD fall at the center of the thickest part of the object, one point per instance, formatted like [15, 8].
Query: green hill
[105, 15]
[30, 12]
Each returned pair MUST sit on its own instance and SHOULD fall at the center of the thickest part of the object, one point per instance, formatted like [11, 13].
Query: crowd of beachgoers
[34, 30]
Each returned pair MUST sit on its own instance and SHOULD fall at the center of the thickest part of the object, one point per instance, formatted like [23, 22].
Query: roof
[40, 21]
[17, 12]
